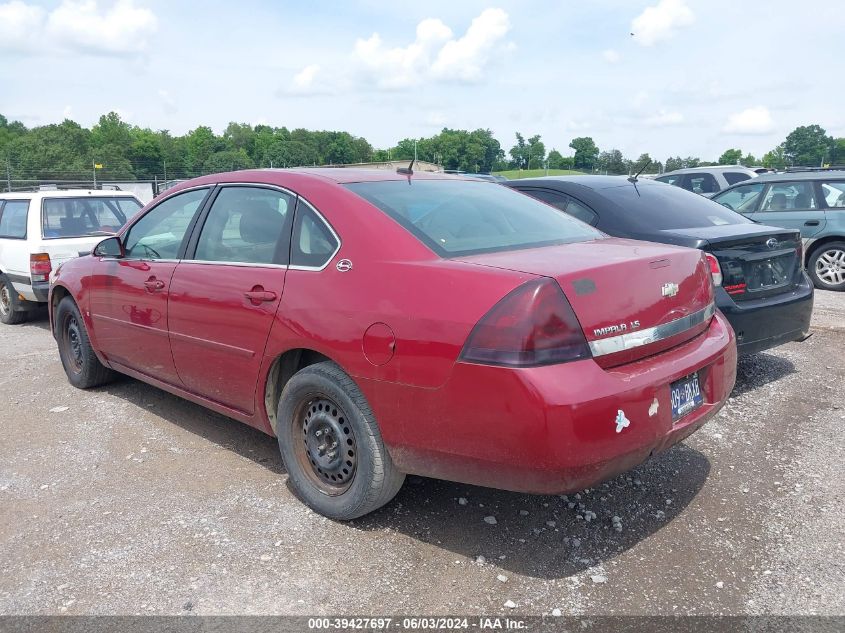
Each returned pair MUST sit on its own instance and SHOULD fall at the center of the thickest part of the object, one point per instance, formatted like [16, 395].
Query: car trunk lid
[632, 299]
[756, 261]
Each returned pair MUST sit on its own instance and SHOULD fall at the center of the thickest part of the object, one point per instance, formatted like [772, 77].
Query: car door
[14, 247]
[224, 295]
[128, 295]
[792, 205]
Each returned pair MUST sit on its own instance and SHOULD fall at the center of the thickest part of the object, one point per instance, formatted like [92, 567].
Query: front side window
[742, 198]
[460, 217]
[834, 194]
[789, 196]
[160, 232]
[13, 218]
[735, 177]
[246, 224]
[564, 203]
[85, 216]
[313, 243]
[701, 183]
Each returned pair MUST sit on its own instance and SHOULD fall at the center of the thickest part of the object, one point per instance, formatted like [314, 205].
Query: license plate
[686, 396]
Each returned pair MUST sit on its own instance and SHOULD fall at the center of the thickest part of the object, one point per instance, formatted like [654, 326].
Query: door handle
[811, 223]
[258, 295]
[152, 284]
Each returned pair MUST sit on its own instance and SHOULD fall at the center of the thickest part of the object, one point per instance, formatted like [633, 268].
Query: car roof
[66, 193]
[591, 182]
[801, 175]
[342, 175]
[739, 168]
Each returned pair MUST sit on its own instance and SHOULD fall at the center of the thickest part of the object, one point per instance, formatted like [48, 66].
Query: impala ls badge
[669, 289]
[772, 243]
[344, 265]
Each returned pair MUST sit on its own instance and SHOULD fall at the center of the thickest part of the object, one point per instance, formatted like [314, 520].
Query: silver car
[707, 180]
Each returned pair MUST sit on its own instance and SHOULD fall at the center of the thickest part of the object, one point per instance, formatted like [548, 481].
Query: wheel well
[59, 293]
[819, 243]
[282, 370]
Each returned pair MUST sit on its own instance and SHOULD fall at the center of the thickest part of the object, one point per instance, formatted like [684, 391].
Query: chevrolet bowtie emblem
[670, 289]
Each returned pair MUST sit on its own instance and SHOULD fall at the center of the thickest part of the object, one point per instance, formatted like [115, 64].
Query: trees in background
[67, 151]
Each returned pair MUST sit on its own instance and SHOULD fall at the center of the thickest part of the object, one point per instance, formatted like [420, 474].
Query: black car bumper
[766, 323]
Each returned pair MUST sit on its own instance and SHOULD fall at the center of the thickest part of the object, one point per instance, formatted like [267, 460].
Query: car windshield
[459, 217]
[86, 216]
[647, 207]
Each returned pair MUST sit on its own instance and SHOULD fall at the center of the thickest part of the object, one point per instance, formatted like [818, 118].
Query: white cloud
[661, 21]
[77, 25]
[756, 120]
[19, 22]
[664, 118]
[312, 80]
[611, 56]
[435, 119]
[436, 54]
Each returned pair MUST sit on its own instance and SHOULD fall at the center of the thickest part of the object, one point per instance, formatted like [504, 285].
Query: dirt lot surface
[128, 500]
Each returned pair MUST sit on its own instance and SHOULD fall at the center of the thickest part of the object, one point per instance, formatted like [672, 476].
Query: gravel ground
[128, 500]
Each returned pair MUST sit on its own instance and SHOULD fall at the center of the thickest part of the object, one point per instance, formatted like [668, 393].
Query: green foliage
[775, 159]
[612, 162]
[475, 152]
[558, 161]
[586, 152]
[730, 157]
[807, 146]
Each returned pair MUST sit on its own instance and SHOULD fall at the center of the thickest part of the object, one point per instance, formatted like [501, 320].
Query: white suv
[707, 180]
[40, 230]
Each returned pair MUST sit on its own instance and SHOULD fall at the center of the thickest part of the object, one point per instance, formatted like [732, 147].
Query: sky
[667, 77]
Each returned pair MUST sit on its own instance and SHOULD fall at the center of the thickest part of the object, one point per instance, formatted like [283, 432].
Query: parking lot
[126, 499]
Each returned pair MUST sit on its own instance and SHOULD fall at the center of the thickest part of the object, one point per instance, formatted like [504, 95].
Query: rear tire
[9, 303]
[827, 266]
[331, 445]
[84, 370]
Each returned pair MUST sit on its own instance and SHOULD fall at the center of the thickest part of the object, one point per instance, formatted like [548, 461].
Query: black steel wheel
[328, 452]
[82, 367]
[331, 445]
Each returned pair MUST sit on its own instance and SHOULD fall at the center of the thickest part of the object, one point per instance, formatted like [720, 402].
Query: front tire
[84, 370]
[331, 445]
[827, 266]
[9, 302]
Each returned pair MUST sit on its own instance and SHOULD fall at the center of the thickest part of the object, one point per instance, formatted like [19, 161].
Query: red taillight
[533, 325]
[735, 289]
[715, 269]
[40, 266]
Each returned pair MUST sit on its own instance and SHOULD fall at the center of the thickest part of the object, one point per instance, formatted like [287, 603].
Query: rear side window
[734, 177]
[789, 196]
[313, 242]
[834, 194]
[564, 203]
[461, 217]
[13, 215]
[647, 208]
[82, 217]
[742, 199]
[246, 224]
[700, 183]
[674, 179]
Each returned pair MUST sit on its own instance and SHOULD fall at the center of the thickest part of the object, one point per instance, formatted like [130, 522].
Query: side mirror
[110, 247]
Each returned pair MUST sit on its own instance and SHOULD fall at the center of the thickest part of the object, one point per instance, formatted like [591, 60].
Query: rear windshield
[458, 217]
[86, 216]
[649, 207]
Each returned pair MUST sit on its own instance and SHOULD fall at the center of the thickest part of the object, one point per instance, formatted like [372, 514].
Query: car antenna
[409, 170]
[642, 169]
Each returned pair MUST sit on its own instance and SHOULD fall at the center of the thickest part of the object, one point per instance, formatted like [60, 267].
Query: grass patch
[516, 174]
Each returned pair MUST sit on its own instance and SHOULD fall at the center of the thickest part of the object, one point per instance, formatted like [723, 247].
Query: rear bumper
[552, 429]
[767, 323]
[31, 291]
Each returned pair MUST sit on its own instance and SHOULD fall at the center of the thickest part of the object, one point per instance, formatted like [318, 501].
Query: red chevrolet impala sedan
[384, 323]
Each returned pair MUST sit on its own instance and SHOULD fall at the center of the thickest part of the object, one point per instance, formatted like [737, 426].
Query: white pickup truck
[40, 230]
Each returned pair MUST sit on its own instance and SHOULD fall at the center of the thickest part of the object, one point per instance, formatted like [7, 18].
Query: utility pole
[94, 171]
[415, 151]
[8, 175]
[164, 161]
